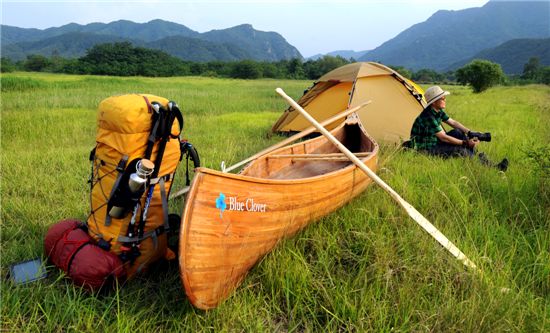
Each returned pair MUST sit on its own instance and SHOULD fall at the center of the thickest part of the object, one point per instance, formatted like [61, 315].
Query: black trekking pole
[166, 119]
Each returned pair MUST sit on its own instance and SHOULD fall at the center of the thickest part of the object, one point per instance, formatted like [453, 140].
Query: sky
[312, 26]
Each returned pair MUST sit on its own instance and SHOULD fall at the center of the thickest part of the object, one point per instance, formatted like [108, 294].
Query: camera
[480, 136]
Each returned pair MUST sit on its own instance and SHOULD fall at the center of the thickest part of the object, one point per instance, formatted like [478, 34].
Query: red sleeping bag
[70, 248]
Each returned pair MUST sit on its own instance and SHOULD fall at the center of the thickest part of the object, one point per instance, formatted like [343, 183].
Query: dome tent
[395, 101]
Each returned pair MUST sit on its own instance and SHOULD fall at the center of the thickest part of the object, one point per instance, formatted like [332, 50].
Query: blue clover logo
[220, 204]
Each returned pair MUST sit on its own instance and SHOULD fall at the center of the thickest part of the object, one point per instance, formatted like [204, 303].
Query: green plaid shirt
[425, 126]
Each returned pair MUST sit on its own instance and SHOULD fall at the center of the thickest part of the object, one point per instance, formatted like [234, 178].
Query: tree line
[124, 59]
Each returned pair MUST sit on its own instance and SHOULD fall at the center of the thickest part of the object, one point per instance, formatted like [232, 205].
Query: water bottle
[144, 168]
[136, 181]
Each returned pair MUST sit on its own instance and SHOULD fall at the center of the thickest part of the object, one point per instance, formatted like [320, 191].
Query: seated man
[427, 134]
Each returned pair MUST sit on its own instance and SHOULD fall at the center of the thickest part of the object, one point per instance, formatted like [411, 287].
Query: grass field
[366, 267]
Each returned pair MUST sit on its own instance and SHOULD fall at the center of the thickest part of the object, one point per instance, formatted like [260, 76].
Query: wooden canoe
[231, 221]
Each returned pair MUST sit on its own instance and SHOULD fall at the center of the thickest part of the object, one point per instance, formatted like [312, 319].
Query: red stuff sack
[70, 248]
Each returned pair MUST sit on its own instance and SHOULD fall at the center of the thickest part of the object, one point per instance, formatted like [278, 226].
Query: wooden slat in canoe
[335, 157]
[295, 156]
[232, 220]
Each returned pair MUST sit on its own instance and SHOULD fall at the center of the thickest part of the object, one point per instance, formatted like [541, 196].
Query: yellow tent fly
[396, 101]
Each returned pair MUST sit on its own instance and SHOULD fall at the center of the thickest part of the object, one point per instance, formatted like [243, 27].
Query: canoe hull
[231, 221]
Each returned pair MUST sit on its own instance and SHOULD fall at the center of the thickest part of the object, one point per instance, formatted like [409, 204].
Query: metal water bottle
[136, 182]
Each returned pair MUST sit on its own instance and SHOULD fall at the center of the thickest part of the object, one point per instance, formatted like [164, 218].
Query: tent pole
[413, 213]
[352, 92]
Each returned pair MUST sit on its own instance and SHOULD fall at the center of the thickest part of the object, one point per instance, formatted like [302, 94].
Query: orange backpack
[133, 130]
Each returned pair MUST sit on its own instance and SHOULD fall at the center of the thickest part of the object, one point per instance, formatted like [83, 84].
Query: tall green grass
[366, 267]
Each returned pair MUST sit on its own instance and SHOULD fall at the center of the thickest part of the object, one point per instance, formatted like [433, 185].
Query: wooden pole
[283, 143]
[413, 213]
[179, 193]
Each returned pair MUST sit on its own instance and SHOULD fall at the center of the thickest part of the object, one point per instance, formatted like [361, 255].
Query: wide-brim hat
[434, 93]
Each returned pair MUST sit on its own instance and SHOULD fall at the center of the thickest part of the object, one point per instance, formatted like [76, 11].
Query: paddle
[283, 143]
[413, 213]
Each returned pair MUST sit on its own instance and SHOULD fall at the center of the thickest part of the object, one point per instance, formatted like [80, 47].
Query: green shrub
[246, 69]
[37, 63]
[545, 75]
[480, 74]
[7, 65]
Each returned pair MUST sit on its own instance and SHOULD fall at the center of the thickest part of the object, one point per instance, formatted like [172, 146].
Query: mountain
[72, 40]
[451, 36]
[346, 54]
[150, 31]
[69, 45]
[513, 54]
[198, 50]
[75, 44]
[11, 35]
[261, 45]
